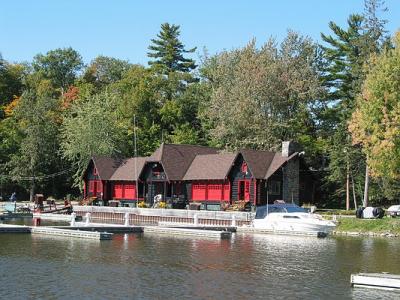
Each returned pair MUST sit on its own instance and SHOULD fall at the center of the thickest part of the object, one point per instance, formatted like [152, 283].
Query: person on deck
[13, 197]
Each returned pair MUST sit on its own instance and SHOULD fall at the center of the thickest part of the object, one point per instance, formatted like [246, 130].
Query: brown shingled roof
[127, 169]
[106, 166]
[277, 162]
[210, 166]
[258, 161]
[176, 159]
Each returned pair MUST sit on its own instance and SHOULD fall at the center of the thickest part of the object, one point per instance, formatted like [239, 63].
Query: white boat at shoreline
[290, 218]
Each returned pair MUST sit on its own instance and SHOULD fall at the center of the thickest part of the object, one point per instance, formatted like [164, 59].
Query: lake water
[135, 266]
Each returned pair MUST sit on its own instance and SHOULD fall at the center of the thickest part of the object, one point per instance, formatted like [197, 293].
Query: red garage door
[215, 192]
[130, 191]
[199, 191]
[118, 191]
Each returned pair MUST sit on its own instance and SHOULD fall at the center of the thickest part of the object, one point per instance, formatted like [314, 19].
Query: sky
[123, 28]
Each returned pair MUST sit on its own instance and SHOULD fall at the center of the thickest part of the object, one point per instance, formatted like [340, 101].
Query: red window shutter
[130, 191]
[199, 192]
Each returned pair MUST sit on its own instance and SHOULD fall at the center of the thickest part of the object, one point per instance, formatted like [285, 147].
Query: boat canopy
[263, 211]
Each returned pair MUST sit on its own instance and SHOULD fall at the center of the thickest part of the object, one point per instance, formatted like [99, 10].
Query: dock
[48, 230]
[194, 226]
[376, 281]
[5, 228]
[104, 227]
[199, 233]
[56, 217]
[96, 235]
[248, 229]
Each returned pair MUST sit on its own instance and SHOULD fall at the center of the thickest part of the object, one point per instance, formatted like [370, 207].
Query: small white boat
[290, 218]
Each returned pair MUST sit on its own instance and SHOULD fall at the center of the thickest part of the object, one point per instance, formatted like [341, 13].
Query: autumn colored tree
[375, 122]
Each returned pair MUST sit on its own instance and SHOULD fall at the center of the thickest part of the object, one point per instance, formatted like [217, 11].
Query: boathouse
[189, 173]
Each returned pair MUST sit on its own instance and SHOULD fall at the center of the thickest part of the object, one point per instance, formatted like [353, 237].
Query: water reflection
[160, 267]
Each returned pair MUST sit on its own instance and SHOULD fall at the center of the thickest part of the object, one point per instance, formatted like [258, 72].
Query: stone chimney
[289, 147]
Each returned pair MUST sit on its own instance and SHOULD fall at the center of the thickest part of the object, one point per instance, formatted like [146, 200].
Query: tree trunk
[348, 188]
[354, 192]
[32, 190]
[366, 186]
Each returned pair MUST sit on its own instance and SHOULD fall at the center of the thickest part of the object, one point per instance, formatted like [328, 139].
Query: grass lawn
[385, 225]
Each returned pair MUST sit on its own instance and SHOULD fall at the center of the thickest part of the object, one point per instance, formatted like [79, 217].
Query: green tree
[11, 82]
[37, 120]
[92, 127]
[168, 51]
[346, 53]
[60, 66]
[262, 96]
[104, 70]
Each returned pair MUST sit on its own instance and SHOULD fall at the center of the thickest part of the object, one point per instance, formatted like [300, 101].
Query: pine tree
[168, 51]
[347, 54]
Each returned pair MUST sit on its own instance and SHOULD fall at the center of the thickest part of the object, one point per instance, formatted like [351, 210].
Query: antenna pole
[135, 159]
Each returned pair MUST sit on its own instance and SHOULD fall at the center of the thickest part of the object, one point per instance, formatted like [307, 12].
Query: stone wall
[291, 181]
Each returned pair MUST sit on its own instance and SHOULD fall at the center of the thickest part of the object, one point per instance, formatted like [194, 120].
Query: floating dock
[5, 228]
[47, 230]
[104, 227]
[376, 281]
[56, 217]
[194, 226]
[8, 215]
[72, 233]
[245, 229]
[188, 232]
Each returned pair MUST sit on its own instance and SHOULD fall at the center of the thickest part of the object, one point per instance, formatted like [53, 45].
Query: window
[244, 167]
[95, 171]
[274, 187]
[91, 186]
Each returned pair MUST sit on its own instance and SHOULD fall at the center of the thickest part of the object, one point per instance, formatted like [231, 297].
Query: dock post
[73, 216]
[196, 220]
[87, 219]
[126, 219]
[233, 221]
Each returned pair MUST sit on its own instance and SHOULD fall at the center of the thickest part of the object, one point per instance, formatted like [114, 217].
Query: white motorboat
[290, 218]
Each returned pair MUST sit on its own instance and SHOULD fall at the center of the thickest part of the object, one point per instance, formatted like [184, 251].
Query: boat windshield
[292, 209]
[263, 211]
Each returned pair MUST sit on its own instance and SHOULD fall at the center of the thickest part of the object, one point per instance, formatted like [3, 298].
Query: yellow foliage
[142, 204]
[375, 121]
[9, 108]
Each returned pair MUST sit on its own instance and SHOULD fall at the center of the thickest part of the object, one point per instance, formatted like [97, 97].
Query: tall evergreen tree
[346, 54]
[168, 51]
